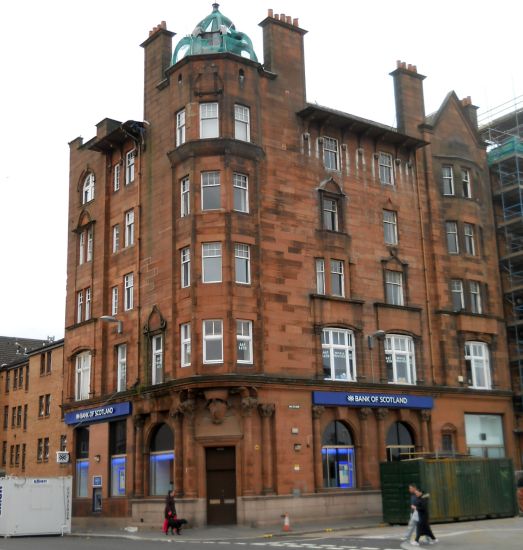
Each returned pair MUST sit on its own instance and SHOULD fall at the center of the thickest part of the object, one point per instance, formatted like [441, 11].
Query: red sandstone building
[33, 430]
[266, 298]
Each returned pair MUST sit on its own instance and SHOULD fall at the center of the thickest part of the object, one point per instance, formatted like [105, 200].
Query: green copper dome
[215, 34]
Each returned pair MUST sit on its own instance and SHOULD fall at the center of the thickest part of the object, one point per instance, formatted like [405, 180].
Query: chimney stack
[471, 111]
[408, 91]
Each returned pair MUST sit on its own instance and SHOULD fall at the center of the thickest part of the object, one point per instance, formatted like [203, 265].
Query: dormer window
[330, 153]
[88, 189]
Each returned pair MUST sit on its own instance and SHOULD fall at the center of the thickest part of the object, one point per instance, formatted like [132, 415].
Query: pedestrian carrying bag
[415, 516]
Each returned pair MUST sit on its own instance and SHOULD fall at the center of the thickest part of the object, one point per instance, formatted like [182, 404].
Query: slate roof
[14, 349]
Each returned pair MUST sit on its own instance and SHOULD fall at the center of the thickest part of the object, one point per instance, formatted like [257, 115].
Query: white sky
[66, 65]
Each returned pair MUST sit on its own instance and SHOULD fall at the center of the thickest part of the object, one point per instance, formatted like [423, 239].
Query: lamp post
[112, 319]
[370, 341]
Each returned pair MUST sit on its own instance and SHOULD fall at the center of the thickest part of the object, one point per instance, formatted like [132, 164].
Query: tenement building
[267, 297]
[33, 430]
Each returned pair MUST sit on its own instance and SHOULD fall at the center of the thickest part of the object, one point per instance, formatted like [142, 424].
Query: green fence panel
[459, 489]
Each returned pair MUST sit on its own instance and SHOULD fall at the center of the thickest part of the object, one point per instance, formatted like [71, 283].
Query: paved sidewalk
[232, 532]
[449, 534]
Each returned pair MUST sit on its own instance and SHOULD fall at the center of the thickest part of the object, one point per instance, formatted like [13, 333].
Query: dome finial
[215, 34]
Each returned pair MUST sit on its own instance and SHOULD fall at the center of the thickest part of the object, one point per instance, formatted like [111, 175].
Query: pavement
[369, 527]
[227, 532]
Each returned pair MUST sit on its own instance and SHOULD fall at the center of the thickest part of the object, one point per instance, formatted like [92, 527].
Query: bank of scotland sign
[385, 400]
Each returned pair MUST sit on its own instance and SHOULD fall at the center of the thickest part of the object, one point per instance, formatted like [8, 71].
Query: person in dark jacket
[423, 528]
[170, 515]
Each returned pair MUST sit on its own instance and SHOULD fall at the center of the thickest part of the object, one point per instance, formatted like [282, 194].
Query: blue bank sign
[385, 400]
[103, 413]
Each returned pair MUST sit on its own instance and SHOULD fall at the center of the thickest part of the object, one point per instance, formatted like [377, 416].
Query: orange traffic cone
[286, 522]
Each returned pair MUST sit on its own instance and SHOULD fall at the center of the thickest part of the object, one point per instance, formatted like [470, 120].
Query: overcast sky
[66, 65]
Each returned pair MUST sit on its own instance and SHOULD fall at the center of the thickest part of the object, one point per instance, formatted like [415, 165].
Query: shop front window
[337, 453]
[118, 449]
[161, 465]
[82, 475]
[484, 435]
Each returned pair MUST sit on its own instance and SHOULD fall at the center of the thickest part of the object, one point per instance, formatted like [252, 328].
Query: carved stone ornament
[425, 415]
[266, 409]
[187, 407]
[317, 411]
[139, 421]
[381, 413]
[248, 404]
[364, 413]
[217, 408]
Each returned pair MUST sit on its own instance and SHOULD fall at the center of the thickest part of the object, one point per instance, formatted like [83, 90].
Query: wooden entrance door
[221, 485]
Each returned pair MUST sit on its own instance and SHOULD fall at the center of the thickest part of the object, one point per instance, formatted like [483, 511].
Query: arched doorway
[161, 461]
[399, 442]
[337, 453]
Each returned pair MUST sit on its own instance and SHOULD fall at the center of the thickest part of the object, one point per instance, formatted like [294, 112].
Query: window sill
[337, 298]
[394, 306]
[80, 324]
[332, 232]
[467, 313]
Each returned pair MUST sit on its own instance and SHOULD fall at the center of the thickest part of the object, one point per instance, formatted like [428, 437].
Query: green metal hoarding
[460, 489]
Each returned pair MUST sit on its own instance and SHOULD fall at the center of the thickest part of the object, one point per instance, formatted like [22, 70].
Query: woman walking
[423, 528]
[170, 520]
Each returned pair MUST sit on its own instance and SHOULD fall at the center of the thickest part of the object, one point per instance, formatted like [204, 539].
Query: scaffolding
[502, 130]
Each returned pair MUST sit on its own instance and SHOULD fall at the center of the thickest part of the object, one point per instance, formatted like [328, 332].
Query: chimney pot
[277, 16]
[282, 17]
[295, 22]
[289, 19]
[270, 13]
[398, 63]
[164, 25]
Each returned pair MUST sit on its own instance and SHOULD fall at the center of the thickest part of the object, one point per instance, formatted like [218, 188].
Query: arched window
[337, 454]
[161, 460]
[82, 462]
[400, 444]
[331, 206]
[88, 188]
